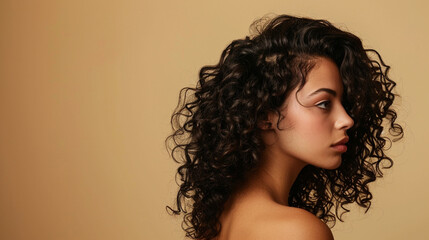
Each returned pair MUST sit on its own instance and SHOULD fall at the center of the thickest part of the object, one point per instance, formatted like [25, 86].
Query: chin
[333, 165]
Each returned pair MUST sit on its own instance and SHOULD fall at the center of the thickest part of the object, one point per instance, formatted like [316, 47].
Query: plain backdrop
[87, 88]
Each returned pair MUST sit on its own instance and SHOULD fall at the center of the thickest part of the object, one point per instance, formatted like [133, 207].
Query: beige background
[87, 88]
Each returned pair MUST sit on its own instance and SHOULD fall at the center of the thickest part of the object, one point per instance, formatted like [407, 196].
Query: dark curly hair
[217, 141]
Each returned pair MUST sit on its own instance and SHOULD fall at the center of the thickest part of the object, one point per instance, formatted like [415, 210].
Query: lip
[340, 146]
[343, 141]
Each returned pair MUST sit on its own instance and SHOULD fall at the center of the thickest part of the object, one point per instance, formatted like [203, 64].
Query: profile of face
[314, 120]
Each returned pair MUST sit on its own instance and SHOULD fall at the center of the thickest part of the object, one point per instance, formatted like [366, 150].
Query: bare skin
[259, 209]
[254, 215]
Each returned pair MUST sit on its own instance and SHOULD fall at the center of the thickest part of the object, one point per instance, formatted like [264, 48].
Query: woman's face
[310, 130]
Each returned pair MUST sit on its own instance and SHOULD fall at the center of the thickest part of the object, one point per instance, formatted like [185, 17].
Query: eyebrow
[328, 90]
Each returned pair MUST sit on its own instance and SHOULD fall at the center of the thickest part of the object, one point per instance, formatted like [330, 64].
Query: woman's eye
[324, 104]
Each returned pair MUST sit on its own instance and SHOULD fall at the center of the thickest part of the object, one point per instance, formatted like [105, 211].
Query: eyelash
[328, 105]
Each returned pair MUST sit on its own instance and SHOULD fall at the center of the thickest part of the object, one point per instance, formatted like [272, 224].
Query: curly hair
[217, 141]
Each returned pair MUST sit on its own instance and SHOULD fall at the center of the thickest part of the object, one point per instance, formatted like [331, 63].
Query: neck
[276, 175]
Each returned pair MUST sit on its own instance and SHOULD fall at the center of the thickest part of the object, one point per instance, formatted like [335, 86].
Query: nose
[344, 121]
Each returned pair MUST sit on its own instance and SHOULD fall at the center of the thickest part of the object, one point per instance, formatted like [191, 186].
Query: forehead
[324, 74]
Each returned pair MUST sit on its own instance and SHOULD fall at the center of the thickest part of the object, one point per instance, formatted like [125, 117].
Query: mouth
[340, 146]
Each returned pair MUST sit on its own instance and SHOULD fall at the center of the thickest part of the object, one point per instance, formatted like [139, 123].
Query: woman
[282, 133]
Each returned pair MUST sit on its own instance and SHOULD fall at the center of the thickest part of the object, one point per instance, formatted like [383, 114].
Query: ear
[270, 121]
[265, 125]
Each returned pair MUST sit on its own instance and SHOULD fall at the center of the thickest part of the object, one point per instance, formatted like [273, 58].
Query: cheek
[304, 127]
[312, 124]
[309, 133]
[308, 122]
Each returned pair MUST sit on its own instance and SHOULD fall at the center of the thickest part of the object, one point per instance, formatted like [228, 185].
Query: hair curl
[217, 141]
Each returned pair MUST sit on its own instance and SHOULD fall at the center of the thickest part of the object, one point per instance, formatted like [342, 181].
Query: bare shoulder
[262, 219]
[295, 223]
